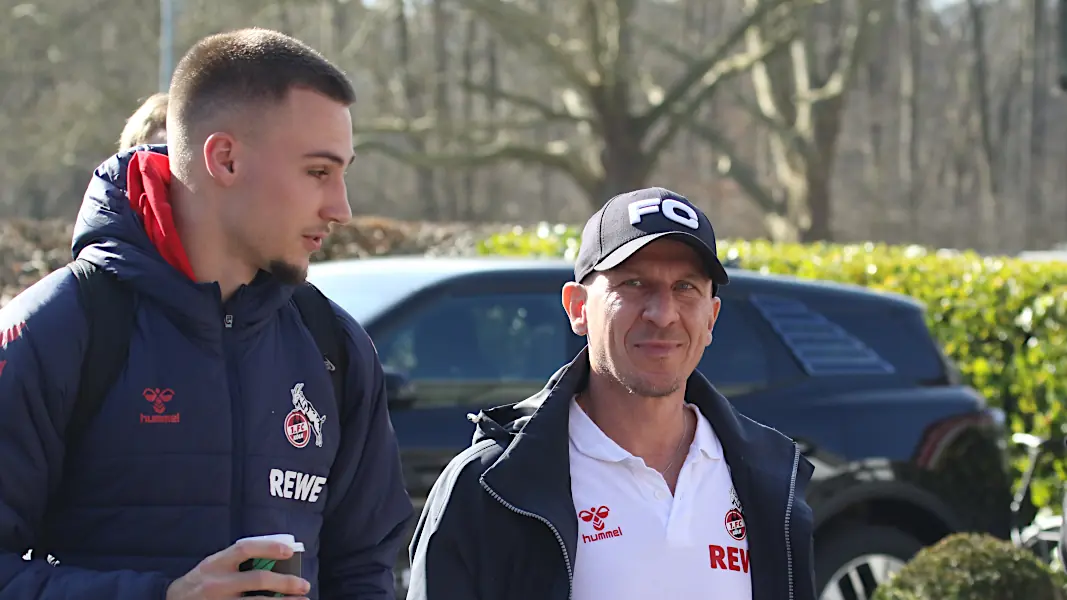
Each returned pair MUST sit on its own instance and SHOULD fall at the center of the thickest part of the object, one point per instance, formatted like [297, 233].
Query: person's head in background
[147, 125]
[259, 137]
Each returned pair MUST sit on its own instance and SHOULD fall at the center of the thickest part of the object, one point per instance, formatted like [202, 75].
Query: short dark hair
[247, 66]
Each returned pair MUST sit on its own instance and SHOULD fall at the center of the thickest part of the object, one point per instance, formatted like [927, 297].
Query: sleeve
[42, 338]
[369, 510]
[442, 551]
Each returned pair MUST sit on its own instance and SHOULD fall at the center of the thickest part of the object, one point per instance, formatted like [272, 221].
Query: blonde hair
[146, 123]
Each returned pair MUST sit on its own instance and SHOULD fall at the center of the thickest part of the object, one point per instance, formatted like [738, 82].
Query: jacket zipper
[555, 532]
[238, 432]
[789, 517]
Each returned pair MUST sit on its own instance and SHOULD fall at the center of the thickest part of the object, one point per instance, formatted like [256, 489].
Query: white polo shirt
[636, 541]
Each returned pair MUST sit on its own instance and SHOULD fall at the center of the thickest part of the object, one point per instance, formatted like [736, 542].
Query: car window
[363, 296]
[499, 337]
[736, 361]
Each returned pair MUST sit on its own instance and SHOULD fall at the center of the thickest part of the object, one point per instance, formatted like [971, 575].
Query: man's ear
[220, 157]
[716, 304]
[574, 298]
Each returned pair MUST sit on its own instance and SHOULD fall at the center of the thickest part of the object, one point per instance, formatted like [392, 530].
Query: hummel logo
[598, 515]
[159, 399]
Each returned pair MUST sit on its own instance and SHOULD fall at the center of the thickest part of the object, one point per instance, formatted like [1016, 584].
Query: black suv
[903, 453]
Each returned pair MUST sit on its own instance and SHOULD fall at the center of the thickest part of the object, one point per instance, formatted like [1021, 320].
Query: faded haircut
[237, 69]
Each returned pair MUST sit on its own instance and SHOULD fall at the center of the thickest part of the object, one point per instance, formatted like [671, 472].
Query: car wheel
[850, 563]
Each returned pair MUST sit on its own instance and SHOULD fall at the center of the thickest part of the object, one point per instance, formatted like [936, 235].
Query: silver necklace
[685, 431]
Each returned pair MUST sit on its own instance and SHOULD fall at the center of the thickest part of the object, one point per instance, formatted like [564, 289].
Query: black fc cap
[630, 221]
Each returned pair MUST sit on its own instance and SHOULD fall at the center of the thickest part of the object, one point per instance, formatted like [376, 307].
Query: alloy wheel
[857, 579]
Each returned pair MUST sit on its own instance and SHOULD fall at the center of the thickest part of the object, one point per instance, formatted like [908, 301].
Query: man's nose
[660, 308]
[337, 208]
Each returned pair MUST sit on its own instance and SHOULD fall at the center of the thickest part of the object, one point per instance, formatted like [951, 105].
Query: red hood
[148, 187]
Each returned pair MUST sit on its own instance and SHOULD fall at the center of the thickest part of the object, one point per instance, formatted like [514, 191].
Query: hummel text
[603, 535]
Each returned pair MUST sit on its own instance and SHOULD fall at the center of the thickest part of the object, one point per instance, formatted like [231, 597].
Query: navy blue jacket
[500, 522]
[200, 442]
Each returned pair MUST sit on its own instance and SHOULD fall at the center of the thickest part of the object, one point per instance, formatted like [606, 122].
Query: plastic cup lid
[283, 538]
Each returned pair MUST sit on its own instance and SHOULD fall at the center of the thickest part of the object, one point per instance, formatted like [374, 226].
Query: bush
[1002, 320]
[973, 567]
[30, 249]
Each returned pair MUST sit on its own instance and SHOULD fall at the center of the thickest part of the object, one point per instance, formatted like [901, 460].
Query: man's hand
[217, 577]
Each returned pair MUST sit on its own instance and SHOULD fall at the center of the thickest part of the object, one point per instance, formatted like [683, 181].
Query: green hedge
[973, 567]
[1002, 320]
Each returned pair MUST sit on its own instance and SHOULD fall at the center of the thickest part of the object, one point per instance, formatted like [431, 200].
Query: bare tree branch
[806, 120]
[852, 46]
[772, 122]
[712, 67]
[547, 112]
[529, 31]
[557, 155]
[740, 171]
[430, 124]
[657, 41]
[739, 63]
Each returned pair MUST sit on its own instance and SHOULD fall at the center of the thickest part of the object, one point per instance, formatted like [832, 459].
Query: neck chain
[678, 449]
[681, 441]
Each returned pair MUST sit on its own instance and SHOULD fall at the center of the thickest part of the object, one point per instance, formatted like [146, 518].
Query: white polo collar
[594, 443]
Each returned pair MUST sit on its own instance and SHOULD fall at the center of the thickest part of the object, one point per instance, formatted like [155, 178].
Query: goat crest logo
[302, 418]
[735, 502]
[735, 518]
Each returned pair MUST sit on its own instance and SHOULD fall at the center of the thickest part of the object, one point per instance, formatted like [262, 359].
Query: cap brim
[711, 262]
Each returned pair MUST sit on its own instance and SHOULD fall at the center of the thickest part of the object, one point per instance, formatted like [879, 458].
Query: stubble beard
[644, 389]
[634, 384]
[287, 273]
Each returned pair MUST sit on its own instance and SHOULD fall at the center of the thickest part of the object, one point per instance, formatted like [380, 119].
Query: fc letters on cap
[676, 211]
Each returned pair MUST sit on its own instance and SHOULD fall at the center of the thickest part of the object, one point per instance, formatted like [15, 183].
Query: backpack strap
[321, 320]
[109, 309]
[108, 306]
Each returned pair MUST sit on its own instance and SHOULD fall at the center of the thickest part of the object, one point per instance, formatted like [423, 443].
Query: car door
[466, 349]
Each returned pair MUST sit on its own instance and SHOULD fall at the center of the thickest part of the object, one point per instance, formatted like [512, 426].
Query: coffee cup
[291, 566]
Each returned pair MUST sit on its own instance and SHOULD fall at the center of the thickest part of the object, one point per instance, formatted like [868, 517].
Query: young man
[147, 125]
[628, 477]
[223, 424]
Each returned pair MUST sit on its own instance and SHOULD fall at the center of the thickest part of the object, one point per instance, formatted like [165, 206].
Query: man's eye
[632, 282]
[319, 173]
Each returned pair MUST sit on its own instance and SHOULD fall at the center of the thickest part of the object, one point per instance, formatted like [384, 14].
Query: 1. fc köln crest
[735, 520]
[303, 421]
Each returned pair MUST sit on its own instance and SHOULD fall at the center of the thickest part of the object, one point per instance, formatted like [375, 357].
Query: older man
[628, 476]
